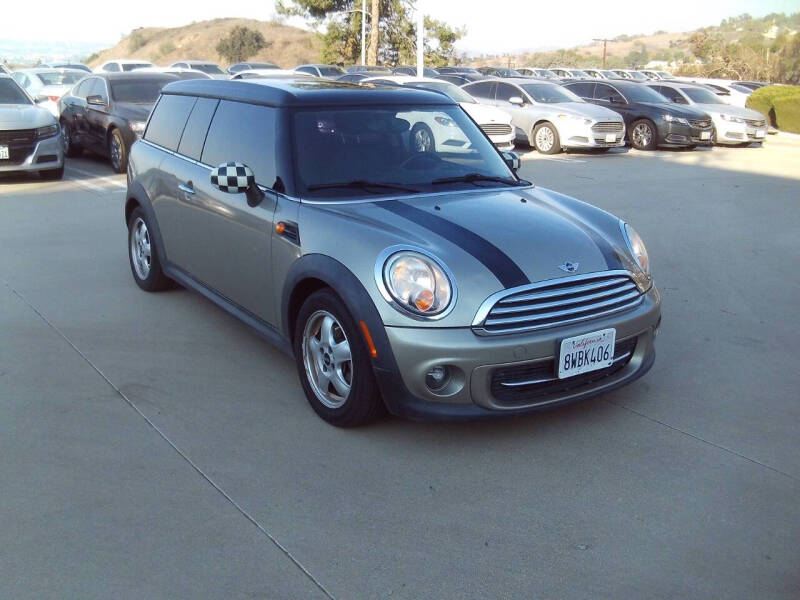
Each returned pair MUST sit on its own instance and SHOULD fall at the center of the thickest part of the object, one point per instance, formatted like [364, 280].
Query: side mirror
[512, 160]
[614, 99]
[40, 99]
[237, 178]
[516, 100]
[95, 100]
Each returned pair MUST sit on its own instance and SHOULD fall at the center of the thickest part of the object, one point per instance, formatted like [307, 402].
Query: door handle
[186, 188]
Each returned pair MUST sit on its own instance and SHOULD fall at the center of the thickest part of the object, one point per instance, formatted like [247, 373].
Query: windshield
[409, 147]
[139, 91]
[578, 73]
[664, 74]
[209, 68]
[10, 93]
[702, 96]
[549, 93]
[331, 71]
[56, 78]
[546, 73]
[132, 66]
[641, 93]
[455, 92]
[638, 76]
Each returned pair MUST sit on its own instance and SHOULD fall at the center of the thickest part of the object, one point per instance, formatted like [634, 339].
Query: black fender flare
[362, 308]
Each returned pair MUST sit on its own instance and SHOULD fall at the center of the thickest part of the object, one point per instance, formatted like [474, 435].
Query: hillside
[286, 46]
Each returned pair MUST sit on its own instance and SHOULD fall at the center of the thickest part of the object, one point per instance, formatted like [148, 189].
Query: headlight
[47, 131]
[445, 121]
[138, 126]
[731, 119]
[416, 283]
[671, 119]
[636, 246]
[570, 117]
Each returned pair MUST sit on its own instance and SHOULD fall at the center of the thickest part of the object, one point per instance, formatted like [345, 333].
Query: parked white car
[736, 96]
[119, 65]
[30, 138]
[46, 86]
[212, 69]
[734, 125]
[569, 73]
[271, 74]
[495, 123]
[550, 117]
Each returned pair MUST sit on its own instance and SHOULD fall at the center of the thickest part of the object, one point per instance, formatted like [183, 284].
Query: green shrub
[787, 113]
[763, 100]
[136, 41]
[166, 48]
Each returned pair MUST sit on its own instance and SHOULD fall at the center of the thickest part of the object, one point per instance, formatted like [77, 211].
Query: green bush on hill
[780, 104]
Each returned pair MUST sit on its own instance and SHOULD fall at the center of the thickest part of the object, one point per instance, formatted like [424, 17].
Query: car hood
[482, 114]
[24, 116]
[729, 109]
[133, 111]
[679, 110]
[586, 109]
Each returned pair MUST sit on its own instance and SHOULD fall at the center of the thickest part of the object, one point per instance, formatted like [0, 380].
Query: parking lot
[155, 447]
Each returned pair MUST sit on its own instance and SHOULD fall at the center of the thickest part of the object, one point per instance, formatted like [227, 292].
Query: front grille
[607, 127]
[496, 129]
[700, 123]
[558, 302]
[538, 381]
[17, 153]
[17, 135]
[755, 122]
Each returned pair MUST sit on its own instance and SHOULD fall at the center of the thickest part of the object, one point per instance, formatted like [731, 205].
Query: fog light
[437, 378]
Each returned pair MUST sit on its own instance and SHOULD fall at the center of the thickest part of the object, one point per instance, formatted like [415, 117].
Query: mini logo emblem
[569, 267]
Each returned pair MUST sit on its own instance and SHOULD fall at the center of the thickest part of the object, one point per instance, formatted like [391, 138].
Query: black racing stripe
[610, 255]
[494, 259]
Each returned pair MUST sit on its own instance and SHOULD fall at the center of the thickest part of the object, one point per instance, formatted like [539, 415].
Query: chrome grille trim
[496, 128]
[701, 123]
[607, 127]
[557, 302]
[755, 122]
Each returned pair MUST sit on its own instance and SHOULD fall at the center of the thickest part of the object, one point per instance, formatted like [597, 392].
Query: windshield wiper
[473, 177]
[361, 184]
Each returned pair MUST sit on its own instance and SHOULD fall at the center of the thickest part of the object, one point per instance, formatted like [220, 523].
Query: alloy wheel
[141, 252]
[642, 135]
[422, 141]
[65, 138]
[327, 359]
[544, 139]
[114, 152]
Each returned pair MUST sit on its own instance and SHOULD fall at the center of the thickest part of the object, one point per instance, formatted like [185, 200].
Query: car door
[612, 98]
[483, 91]
[96, 116]
[230, 239]
[79, 110]
[521, 114]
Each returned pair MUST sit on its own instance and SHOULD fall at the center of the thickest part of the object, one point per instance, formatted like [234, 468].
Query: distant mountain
[31, 52]
[286, 46]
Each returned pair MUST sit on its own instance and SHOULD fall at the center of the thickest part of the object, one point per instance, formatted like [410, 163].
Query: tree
[240, 44]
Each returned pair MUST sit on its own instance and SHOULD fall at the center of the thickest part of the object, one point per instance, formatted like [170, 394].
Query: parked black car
[246, 66]
[650, 119]
[500, 72]
[357, 77]
[105, 113]
[461, 78]
[405, 70]
[459, 70]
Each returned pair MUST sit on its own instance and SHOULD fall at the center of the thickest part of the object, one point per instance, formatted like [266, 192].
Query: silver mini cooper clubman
[434, 284]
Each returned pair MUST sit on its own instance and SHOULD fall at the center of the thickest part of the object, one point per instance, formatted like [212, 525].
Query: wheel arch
[137, 198]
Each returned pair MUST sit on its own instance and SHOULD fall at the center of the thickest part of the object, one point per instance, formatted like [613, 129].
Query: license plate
[585, 353]
[760, 133]
[705, 135]
[611, 137]
[4, 153]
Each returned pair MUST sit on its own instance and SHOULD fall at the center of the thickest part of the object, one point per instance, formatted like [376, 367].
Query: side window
[244, 133]
[194, 134]
[506, 91]
[111, 67]
[97, 88]
[673, 95]
[584, 89]
[482, 89]
[82, 89]
[181, 65]
[306, 70]
[604, 92]
[168, 120]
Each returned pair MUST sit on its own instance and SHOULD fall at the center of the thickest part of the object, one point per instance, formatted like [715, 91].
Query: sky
[492, 27]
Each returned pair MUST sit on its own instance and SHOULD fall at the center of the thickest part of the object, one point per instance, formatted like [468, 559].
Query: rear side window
[244, 133]
[168, 120]
[605, 92]
[584, 89]
[506, 91]
[194, 134]
[111, 67]
[482, 89]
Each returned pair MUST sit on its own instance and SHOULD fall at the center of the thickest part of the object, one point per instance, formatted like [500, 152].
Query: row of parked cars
[105, 111]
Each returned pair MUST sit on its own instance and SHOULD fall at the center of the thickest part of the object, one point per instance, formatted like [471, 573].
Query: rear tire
[545, 139]
[644, 135]
[333, 363]
[143, 254]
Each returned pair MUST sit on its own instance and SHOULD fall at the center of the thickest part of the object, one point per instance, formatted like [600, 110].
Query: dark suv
[650, 119]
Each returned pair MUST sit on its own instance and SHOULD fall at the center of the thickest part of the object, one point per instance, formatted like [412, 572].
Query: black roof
[621, 84]
[303, 92]
[134, 76]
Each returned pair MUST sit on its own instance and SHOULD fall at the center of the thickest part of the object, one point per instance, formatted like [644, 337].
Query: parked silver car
[212, 69]
[30, 138]
[47, 85]
[436, 285]
[549, 117]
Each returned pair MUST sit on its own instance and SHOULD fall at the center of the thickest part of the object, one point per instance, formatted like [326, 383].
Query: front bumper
[577, 134]
[738, 133]
[474, 359]
[45, 154]
[674, 134]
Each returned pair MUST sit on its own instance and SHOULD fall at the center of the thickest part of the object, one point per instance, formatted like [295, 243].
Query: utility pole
[605, 42]
[363, 32]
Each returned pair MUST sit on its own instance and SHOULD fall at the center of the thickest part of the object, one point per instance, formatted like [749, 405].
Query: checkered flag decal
[232, 177]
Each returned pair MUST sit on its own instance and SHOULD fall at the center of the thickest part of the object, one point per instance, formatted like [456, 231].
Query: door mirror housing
[614, 99]
[40, 99]
[237, 178]
[95, 100]
[512, 160]
[517, 100]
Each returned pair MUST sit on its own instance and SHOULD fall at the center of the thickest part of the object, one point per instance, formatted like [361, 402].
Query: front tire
[545, 139]
[422, 138]
[117, 151]
[143, 254]
[332, 361]
[644, 135]
[71, 150]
